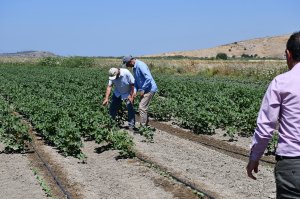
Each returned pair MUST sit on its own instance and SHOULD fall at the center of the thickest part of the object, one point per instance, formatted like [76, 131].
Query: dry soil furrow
[206, 167]
[17, 179]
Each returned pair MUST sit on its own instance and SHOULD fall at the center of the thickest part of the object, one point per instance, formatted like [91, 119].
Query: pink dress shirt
[281, 104]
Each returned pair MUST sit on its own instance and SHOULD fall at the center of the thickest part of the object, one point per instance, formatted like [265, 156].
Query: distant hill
[268, 47]
[36, 54]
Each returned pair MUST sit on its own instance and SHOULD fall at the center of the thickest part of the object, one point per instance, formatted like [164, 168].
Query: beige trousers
[143, 107]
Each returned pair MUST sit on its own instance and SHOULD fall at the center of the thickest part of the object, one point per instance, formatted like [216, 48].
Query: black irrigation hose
[65, 192]
[222, 149]
[232, 152]
[174, 177]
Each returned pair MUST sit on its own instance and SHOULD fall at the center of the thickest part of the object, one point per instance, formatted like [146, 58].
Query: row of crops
[64, 105]
[204, 104]
[14, 133]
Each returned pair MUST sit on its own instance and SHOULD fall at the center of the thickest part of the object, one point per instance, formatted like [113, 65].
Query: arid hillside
[268, 47]
[29, 54]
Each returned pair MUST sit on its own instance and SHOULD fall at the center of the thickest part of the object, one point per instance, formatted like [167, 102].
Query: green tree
[222, 56]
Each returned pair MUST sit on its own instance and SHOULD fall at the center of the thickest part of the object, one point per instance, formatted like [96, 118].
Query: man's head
[293, 50]
[113, 73]
[128, 61]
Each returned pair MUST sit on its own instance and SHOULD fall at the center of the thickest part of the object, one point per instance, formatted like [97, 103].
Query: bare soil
[263, 47]
[207, 163]
[17, 179]
[208, 168]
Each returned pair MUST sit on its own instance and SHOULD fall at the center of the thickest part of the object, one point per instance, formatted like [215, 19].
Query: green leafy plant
[13, 132]
[147, 132]
[272, 145]
[42, 183]
[120, 140]
[231, 132]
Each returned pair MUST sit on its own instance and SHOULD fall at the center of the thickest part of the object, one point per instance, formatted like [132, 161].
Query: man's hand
[105, 102]
[142, 94]
[131, 98]
[252, 166]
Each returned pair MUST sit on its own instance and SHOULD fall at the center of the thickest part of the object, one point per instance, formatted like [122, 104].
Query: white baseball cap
[113, 73]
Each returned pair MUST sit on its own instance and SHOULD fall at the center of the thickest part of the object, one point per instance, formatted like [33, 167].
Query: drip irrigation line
[216, 147]
[57, 181]
[65, 192]
[232, 152]
[174, 177]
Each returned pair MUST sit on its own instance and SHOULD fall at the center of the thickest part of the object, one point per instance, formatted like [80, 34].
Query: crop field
[64, 104]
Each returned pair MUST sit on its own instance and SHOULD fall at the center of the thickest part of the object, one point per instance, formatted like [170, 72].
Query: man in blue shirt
[144, 84]
[123, 81]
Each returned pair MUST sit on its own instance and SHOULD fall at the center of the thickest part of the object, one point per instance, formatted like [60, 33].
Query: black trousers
[287, 175]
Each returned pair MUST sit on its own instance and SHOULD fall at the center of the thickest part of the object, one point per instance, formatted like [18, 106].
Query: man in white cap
[144, 84]
[123, 81]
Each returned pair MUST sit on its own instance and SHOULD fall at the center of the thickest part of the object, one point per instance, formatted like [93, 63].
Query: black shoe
[133, 129]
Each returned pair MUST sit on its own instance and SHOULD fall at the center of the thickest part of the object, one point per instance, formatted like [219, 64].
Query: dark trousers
[287, 175]
[115, 105]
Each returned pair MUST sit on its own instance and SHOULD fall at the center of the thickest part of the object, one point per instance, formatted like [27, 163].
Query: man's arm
[252, 166]
[266, 124]
[132, 83]
[148, 77]
[108, 90]
[132, 93]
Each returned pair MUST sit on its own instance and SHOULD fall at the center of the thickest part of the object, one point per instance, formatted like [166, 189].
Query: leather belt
[279, 157]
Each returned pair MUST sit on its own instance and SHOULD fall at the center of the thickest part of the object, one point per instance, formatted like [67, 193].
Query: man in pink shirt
[281, 105]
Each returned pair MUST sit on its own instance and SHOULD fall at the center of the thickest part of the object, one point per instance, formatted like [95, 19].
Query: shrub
[82, 62]
[246, 56]
[73, 62]
[51, 61]
[222, 56]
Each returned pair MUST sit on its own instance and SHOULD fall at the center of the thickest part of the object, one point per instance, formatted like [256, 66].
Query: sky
[139, 27]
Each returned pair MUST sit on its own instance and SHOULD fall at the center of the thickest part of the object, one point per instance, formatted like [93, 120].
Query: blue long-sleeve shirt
[144, 81]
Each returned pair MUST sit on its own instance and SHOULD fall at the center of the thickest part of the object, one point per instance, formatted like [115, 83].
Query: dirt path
[17, 179]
